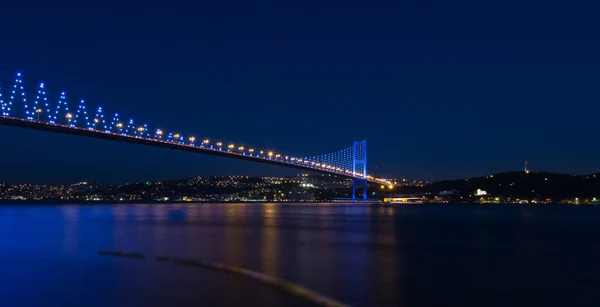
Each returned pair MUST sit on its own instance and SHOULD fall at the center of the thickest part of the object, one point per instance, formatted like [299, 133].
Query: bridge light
[119, 125]
[270, 153]
[250, 150]
[286, 157]
[69, 115]
[192, 138]
[206, 141]
[95, 120]
[159, 132]
[219, 144]
[231, 146]
[261, 152]
[293, 159]
[140, 129]
[277, 156]
[390, 186]
[241, 148]
[38, 111]
[176, 135]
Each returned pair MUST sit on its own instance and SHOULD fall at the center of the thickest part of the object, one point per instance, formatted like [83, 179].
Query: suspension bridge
[46, 109]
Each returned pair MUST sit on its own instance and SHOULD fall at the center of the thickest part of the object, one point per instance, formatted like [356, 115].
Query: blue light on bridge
[350, 161]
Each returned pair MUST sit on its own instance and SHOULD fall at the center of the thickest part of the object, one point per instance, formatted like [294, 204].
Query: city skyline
[462, 97]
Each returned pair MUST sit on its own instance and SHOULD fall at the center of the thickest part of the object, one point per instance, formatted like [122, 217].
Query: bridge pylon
[359, 166]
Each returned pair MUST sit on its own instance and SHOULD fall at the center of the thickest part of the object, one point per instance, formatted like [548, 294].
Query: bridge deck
[32, 124]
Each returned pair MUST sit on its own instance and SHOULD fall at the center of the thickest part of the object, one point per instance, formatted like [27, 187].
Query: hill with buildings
[512, 186]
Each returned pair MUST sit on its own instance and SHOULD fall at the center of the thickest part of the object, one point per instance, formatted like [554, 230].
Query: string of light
[349, 161]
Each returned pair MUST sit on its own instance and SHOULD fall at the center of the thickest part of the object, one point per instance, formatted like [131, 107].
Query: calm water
[363, 255]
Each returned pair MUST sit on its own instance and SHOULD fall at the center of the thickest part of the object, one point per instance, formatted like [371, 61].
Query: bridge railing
[47, 106]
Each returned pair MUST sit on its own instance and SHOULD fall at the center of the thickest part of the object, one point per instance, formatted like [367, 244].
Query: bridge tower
[359, 166]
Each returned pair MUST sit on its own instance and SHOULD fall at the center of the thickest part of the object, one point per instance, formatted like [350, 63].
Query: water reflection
[70, 216]
[269, 240]
[387, 261]
[234, 234]
[365, 255]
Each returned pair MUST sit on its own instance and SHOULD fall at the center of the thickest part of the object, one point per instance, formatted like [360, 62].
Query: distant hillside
[531, 185]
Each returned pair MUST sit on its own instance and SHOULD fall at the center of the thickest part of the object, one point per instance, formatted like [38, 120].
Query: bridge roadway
[59, 128]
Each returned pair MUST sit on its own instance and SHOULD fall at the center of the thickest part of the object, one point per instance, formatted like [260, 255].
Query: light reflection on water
[365, 255]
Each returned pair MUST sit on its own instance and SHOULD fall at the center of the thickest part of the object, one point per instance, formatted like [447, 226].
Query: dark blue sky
[440, 89]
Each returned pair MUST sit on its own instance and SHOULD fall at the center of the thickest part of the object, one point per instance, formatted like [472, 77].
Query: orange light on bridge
[192, 139]
[119, 125]
[241, 148]
[206, 141]
[176, 135]
[219, 144]
[69, 115]
[96, 120]
[251, 150]
[231, 146]
[270, 153]
[159, 132]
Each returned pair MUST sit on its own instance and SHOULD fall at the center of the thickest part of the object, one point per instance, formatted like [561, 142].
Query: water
[363, 255]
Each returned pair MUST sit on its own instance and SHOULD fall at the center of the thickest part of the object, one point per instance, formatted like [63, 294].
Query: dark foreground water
[363, 255]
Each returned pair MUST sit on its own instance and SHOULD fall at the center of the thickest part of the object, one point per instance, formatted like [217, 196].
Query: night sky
[440, 89]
